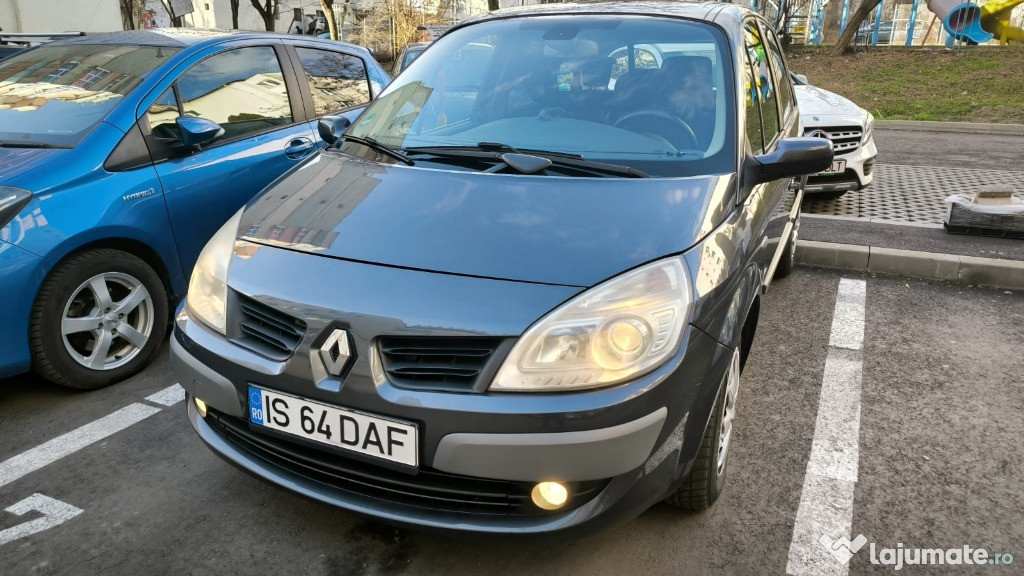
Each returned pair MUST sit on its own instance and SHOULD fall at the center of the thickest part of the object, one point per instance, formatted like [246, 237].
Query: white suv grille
[844, 138]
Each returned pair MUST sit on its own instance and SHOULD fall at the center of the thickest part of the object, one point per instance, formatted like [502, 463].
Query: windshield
[640, 92]
[55, 94]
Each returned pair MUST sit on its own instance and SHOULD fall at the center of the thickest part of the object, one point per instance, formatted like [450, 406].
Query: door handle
[298, 148]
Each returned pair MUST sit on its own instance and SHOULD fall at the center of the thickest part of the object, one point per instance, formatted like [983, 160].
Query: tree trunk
[267, 11]
[332, 25]
[234, 14]
[493, 4]
[853, 24]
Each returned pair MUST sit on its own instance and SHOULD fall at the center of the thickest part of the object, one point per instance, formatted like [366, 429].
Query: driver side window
[243, 90]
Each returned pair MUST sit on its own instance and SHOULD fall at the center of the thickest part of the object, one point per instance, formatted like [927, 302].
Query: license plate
[334, 426]
[838, 167]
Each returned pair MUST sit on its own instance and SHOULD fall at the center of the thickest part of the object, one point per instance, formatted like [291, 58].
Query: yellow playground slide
[995, 18]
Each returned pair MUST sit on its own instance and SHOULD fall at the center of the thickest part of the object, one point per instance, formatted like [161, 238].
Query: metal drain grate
[913, 194]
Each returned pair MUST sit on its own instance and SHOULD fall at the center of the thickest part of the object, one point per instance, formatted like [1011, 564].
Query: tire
[102, 287]
[788, 261]
[706, 480]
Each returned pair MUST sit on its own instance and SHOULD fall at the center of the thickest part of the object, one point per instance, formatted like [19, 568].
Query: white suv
[826, 114]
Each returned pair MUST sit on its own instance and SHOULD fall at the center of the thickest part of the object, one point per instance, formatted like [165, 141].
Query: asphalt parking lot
[929, 401]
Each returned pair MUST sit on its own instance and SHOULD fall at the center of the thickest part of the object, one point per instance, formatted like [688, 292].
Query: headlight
[208, 288]
[869, 128]
[618, 330]
[12, 200]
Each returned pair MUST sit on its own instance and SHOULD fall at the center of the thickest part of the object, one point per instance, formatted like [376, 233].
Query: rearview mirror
[332, 127]
[197, 131]
[793, 157]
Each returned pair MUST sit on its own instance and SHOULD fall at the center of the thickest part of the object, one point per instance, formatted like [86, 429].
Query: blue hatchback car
[120, 155]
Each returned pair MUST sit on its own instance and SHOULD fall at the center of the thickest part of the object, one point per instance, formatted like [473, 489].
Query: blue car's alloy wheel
[100, 317]
[107, 321]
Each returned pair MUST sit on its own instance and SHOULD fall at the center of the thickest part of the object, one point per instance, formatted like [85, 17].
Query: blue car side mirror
[197, 131]
[332, 127]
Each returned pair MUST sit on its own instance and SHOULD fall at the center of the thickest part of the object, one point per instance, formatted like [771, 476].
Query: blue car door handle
[298, 148]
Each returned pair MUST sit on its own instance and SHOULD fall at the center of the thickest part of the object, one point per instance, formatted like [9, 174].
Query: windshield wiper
[379, 147]
[14, 144]
[495, 150]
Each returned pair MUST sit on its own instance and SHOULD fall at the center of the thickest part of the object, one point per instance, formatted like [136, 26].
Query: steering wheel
[678, 127]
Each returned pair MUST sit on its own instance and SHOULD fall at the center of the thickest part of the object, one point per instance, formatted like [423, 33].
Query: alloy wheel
[725, 425]
[107, 321]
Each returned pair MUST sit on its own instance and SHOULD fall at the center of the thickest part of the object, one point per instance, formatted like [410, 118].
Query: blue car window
[243, 90]
[162, 115]
[54, 95]
[337, 81]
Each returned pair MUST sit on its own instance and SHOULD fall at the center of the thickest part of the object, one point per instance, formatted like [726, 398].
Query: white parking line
[168, 396]
[35, 458]
[826, 502]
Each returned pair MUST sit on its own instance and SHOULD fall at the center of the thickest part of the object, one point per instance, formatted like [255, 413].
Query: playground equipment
[967, 21]
[995, 18]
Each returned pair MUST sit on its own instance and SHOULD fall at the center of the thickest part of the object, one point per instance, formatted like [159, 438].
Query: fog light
[550, 495]
[201, 407]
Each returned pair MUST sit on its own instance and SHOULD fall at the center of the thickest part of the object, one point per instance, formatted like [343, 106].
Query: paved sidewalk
[895, 226]
[912, 194]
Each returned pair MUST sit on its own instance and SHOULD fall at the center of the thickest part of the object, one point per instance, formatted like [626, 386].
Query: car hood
[542, 229]
[814, 101]
[17, 161]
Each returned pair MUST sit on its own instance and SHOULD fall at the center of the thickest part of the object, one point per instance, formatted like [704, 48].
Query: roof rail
[27, 35]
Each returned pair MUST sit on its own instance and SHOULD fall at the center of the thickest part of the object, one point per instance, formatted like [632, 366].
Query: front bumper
[858, 175]
[626, 448]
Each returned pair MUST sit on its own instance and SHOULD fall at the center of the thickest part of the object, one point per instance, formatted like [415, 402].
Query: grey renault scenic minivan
[516, 294]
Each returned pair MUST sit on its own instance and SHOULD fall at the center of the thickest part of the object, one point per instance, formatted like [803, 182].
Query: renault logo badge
[335, 352]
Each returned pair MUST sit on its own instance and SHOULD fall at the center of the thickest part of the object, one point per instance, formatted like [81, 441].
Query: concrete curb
[962, 127]
[926, 265]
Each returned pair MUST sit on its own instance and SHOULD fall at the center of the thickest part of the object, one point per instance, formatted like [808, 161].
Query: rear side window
[763, 89]
[337, 81]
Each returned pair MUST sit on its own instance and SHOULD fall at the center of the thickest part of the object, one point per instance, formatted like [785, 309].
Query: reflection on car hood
[15, 161]
[545, 229]
[814, 101]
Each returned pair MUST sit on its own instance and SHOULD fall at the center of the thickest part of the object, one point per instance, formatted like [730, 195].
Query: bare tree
[234, 13]
[332, 25]
[853, 24]
[268, 11]
[131, 13]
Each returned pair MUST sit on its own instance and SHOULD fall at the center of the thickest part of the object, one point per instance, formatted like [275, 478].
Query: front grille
[844, 138]
[441, 363]
[266, 331]
[429, 489]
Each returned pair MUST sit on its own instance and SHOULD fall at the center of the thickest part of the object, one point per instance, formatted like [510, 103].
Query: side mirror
[332, 127]
[197, 131]
[793, 157]
[800, 79]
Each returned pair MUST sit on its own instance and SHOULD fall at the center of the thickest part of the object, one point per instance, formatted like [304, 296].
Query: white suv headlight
[869, 128]
[618, 330]
[208, 288]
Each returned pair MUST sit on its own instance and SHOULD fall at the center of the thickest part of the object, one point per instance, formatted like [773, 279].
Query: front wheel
[706, 480]
[99, 318]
